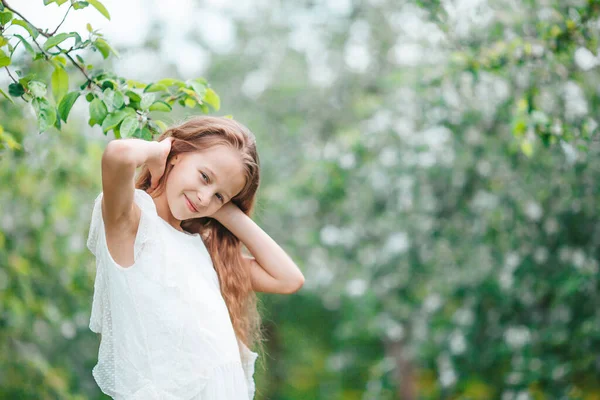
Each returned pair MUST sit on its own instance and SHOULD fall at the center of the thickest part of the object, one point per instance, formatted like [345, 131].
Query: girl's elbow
[297, 285]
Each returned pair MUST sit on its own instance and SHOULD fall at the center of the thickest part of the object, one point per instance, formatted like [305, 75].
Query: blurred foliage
[429, 165]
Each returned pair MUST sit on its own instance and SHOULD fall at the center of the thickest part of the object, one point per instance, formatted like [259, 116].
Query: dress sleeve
[96, 243]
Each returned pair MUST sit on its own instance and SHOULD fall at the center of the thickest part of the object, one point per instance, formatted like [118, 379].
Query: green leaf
[143, 133]
[60, 83]
[37, 88]
[155, 87]
[57, 123]
[135, 84]
[147, 100]
[98, 112]
[108, 97]
[16, 89]
[129, 126]
[5, 17]
[212, 98]
[189, 102]
[113, 119]
[58, 60]
[4, 59]
[133, 95]
[160, 106]
[170, 82]
[46, 113]
[28, 27]
[161, 125]
[100, 7]
[60, 2]
[118, 99]
[26, 45]
[78, 5]
[7, 96]
[199, 88]
[104, 48]
[58, 39]
[64, 108]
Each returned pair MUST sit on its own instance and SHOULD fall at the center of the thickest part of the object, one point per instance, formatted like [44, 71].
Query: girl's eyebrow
[210, 171]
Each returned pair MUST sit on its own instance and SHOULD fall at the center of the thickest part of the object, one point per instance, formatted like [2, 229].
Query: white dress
[165, 330]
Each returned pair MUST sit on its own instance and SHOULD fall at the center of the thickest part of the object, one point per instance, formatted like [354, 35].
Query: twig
[63, 20]
[80, 68]
[9, 74]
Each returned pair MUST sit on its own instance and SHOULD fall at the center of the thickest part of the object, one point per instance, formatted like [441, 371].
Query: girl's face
[208, 179]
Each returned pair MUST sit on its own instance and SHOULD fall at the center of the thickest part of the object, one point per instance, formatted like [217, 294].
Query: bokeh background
[431, 166]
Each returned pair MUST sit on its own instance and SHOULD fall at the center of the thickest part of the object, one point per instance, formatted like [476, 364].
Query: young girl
[174, 297]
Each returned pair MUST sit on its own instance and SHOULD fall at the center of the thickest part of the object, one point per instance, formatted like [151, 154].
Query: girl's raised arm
[119, 162]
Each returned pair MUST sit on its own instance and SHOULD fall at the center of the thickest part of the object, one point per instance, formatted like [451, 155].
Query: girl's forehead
[222, 154]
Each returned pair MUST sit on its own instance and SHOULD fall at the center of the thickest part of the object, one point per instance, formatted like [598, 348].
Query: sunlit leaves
[112, 98]
[60, 83]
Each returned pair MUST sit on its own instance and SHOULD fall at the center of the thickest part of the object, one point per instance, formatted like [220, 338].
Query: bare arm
[119, 162]
[271, 269]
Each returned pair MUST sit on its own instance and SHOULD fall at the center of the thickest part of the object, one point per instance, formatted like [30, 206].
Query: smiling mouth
[190, 203]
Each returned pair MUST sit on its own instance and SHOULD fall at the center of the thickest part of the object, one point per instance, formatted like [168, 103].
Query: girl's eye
[219, 196]
[204, 176]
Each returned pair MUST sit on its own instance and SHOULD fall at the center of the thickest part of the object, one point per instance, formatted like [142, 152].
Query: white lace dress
[165, 330]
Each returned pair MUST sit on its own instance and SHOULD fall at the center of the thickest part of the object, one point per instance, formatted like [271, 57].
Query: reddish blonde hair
[199, 133]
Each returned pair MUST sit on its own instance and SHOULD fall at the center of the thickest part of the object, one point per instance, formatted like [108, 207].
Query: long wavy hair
[225, 249]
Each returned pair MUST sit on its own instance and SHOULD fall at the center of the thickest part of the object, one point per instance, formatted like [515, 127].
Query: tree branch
[25, 19]
[80, 68]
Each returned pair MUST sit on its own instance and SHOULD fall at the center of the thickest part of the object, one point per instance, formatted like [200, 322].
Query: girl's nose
[202, 198]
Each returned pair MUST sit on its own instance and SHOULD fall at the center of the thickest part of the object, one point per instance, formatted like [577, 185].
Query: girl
[174, 297]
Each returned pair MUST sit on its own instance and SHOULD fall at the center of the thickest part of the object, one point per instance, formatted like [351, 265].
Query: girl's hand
[157, 163]
[227, 210]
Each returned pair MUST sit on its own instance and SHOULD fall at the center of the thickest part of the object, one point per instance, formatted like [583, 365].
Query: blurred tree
[403, 139]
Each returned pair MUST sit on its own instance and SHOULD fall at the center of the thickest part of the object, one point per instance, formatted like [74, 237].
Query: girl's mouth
[189, 204]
